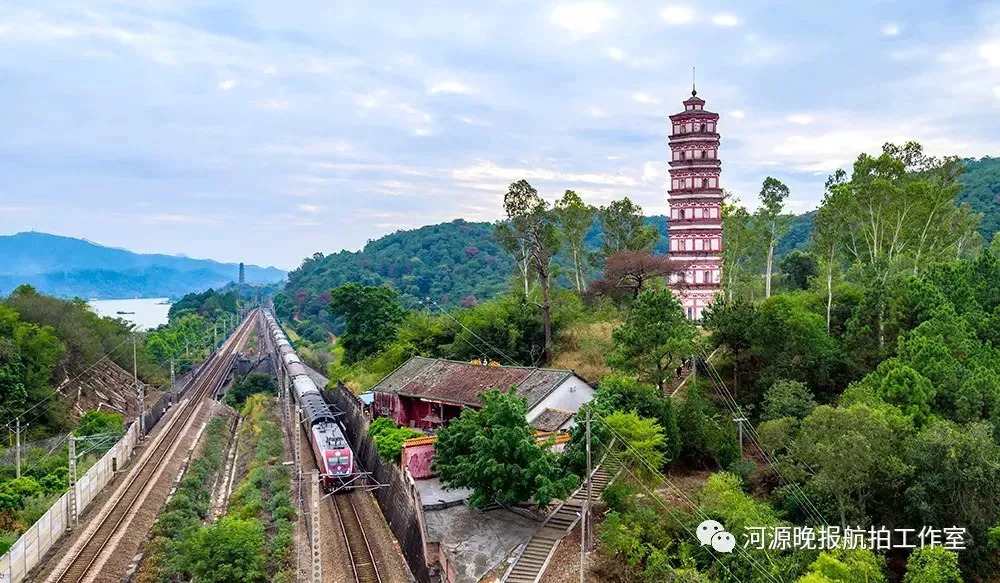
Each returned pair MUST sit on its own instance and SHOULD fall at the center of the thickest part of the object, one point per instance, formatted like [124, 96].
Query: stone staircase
[530, 564]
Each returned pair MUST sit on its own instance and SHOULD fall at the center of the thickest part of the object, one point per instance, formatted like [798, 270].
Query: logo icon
[712, 532]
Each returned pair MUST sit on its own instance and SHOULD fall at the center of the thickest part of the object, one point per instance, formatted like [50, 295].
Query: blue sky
[266, 131]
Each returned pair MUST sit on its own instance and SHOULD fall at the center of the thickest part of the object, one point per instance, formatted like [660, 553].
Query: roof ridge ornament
[694, 92]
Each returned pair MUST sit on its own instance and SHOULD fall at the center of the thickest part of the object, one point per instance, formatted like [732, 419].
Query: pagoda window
[682, 214]
[673, 244]
[715, 276]
[704, 154]
[699, 245]
[699, 277]
[702, 128]
[715, 243]
[697, 213]
[690, 317]
[711, 153]
[704, 182]
[687, 127]
[714, 182]
[711, 127]
[713, 213]
[688, 245]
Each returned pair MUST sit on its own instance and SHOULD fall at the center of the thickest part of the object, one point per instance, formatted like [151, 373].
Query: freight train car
[330, 449]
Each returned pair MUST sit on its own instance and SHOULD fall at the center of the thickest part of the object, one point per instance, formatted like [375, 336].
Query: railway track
[141, 479]
[362, 560]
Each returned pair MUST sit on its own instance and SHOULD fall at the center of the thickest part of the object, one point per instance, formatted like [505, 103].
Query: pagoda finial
[694, 92]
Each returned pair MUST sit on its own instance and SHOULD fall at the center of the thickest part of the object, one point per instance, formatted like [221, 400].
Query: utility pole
[317, 561]
[740, 421]
[71, 519]
[586, 509]
[173, 378]
[590, 489]
[187, 349]
[17, 451]
[215, 336]
[140, 393]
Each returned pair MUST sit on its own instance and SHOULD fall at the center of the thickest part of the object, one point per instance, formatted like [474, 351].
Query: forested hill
[981, 190]
[68, 267]
[453, 263]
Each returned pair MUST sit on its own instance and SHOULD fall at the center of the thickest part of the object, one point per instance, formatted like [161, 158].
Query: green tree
[956, 480]
[641, 442]
[533, 222]
[493, 452]
[772, 201]
[828, 234]
[739, 255]
[655, 339]
[100, 423]
[228, 551]
[846, 566]
[623, 228]
[932, 564]
[371, 315]
[253, 383]
[798, 267]
[909, 390]
[575, 218]
[787, 399]
[850, 458]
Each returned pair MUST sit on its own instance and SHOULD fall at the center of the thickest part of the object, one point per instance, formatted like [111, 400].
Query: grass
[582, 348]
[265, 494]
[188, 509]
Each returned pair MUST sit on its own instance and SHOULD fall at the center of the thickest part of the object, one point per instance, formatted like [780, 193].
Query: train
[333, 454]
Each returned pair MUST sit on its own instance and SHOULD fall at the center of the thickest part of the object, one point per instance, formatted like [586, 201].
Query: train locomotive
[326, 435]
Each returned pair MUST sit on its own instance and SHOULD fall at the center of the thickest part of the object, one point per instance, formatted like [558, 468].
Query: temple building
[695, 198]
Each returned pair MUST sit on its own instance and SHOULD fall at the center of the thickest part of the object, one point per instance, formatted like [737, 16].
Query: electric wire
[656, 472]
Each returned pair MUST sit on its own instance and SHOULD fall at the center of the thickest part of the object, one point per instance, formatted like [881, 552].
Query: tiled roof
[551, 419]
[461, 382]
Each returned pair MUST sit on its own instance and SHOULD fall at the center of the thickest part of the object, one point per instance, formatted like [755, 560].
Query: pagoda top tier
[694, 106]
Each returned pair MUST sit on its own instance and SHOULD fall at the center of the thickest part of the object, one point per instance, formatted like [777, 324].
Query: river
[148, 313]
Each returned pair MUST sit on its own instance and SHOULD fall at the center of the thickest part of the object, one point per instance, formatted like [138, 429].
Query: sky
[267, 131]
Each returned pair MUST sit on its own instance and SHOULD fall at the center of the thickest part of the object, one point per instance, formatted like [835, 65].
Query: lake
[149, 312]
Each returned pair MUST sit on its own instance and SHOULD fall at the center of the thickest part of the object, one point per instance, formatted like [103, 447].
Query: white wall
[569, 395]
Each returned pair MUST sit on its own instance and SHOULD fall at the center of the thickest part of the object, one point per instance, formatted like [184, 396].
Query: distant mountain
[67, 267]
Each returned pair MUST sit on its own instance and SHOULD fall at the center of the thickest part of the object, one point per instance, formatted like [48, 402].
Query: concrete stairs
[530, 564]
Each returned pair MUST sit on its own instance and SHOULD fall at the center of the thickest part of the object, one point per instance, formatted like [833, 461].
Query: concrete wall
[36, 541]
[569, 395]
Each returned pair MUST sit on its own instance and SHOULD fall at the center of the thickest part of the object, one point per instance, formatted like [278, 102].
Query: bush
[228, 551]
[389, 439]
[787, 399]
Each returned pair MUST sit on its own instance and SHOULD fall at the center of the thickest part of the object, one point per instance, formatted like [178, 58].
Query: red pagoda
[695, 198]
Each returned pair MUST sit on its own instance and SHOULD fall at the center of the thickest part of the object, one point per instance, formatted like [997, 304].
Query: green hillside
[456, 263]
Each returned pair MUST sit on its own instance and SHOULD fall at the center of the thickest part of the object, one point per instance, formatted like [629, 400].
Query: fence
[394, 499]
[36, 541]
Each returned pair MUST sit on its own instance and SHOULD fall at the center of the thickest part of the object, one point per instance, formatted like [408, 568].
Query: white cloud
[642, 97]
[582, 17]
[488, 171]
[413, 113]
[650, 171]
[996, 92]
[991, 53]
[227, 84]
[451, 87]
[616, 54]
[275, 104]
[597, 112]
[422, 132]
[370, 100]
[473, 121]
[891, 29]
[270, 70]
[310, 208]
[725, 19]
[675, 14]
[737, 114]
[800, 118]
